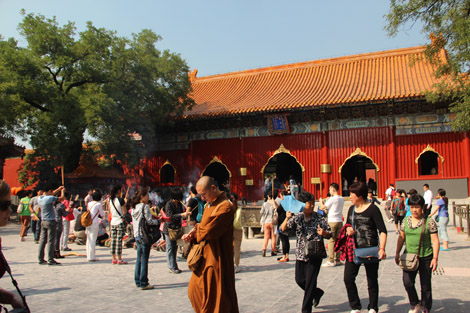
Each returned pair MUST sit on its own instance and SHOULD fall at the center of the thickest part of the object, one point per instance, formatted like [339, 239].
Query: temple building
[11, 158]
[360, 117]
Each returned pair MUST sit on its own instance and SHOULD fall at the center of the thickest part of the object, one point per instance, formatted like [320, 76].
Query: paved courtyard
[263, 285]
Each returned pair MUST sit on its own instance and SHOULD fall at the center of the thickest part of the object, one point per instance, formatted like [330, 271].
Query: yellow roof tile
[393, 74]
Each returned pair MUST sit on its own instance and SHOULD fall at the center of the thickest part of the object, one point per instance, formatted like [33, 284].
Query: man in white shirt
[88, 198]
[427, 200]
[96, 211]
[389, 194]
[334, 208]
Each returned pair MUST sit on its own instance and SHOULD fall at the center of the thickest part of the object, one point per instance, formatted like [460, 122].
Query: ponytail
[442, 193]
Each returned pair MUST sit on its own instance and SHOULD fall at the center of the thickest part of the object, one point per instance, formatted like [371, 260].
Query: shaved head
[208, 189]
[205, 182]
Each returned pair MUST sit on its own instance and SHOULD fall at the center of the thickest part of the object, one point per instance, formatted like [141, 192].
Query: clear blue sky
[219, 36]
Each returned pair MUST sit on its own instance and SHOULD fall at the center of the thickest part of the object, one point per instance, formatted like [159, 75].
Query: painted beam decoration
[278, 124]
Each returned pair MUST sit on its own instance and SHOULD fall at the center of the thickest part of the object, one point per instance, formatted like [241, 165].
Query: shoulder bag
[314, 249]
[19, 210]
[364, 255]
[175, 234]
[195, 256]
[86, 218]
[150, 233]
[275, 217]
[6, 266]
[126, 218]
[409, 261]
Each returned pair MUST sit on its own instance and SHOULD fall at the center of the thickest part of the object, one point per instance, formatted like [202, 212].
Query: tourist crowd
[207, 216]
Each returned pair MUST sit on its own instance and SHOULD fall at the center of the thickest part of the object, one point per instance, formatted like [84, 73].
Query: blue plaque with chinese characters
[278, 124]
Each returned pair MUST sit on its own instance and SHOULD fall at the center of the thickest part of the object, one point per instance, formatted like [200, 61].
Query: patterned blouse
[306, 229]
[431, 225]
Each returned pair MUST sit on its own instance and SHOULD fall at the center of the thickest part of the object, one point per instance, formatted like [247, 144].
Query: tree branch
[77, 84]
[54, 75]
[83, 82]
[34, 104]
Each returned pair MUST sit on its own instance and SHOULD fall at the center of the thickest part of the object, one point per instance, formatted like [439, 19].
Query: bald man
[212, 286]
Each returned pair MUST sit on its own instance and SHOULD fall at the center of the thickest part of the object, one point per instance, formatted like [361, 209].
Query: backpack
[149, 233]
[86, 218]
[200, 209]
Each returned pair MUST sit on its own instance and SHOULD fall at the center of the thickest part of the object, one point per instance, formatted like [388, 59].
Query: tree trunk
[72, 153]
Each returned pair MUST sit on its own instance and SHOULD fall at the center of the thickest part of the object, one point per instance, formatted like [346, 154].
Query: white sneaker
[355, 311]
[237, 269]
[372, 311]
[328, 264]
[415, 309]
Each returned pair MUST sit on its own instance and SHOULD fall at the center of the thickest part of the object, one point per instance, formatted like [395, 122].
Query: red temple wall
[375, 142]
[178, 158]
[257, 151]
[448, 145]
[229, 153]
[333, 147]
[10, 171]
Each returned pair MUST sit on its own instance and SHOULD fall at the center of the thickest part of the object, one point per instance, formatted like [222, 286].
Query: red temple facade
[357, 117]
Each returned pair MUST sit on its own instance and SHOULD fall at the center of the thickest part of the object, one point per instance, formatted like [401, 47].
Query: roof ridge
[319, 62]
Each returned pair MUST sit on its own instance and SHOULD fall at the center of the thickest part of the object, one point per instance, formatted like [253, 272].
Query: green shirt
[25, 203]
[413, 235]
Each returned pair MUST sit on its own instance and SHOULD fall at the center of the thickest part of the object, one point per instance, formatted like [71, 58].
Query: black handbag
[314, 249]
[126, 218]
[150, 233]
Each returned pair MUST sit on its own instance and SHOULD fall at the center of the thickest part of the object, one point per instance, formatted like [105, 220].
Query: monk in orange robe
[212, 287]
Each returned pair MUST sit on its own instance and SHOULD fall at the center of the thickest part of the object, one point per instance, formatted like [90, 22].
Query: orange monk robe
[212, 288]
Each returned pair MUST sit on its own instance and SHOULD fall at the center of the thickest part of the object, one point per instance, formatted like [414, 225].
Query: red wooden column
[393, 161]
[466, 149]
[325, 177]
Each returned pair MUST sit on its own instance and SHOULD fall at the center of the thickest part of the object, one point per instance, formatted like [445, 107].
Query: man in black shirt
[193, 205]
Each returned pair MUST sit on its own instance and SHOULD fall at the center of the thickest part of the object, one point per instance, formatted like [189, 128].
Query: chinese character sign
[278, 124]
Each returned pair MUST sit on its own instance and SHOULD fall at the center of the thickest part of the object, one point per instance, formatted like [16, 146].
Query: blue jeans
[171, 249]
[141, 264]
[443, 221]
[36, 229]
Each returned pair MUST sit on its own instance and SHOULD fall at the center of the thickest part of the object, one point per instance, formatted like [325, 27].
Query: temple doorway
[219, 171]
[167, 173]
[283, 164]
[358, 168]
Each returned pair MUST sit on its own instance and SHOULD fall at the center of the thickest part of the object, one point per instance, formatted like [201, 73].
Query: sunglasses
[5, 205]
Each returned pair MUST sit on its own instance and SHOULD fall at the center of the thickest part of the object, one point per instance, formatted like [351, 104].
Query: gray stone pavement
[263, 285]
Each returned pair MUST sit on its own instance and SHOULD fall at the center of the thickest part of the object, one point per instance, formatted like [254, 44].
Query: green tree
[64, 85]
[447, 22]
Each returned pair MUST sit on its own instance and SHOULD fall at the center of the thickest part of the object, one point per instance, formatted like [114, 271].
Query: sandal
[284, 260]
[121, 262]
